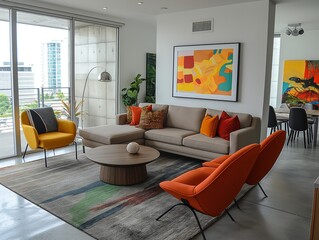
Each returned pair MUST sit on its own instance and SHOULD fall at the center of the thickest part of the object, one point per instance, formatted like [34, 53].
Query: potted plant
[129, 95]
[67, 110]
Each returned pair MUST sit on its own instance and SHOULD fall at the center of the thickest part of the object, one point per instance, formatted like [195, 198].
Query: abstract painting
[301, 82]
[207, 71]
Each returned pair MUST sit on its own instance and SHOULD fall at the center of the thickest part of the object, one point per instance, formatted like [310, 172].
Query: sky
[30, 40]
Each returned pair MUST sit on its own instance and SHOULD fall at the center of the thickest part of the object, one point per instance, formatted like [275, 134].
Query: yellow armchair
[64, 136]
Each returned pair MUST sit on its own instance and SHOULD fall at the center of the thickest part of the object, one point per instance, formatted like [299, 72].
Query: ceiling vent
[202, 26]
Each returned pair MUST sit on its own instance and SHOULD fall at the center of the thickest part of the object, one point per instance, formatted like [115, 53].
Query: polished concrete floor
[284, 214]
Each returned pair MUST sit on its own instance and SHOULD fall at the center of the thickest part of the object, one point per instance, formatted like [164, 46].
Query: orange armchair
[50, 140]
[210, 190]
[270, 148]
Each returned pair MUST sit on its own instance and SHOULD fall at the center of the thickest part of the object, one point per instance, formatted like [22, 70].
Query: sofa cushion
[200, 141]
[227, 125]
[187, 118]
[209, 125]
[168, 135]
[43, 119]
[151, 119]
[128, 114]
[136, 113]
[112, 134]
[157, 107]
[245, 119]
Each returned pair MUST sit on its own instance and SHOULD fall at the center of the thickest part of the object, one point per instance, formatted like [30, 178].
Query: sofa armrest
[31, 135]
[245, 136]
[120, 119]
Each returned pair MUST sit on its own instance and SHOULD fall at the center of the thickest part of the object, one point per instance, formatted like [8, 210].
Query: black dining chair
[273, 123]
[309, 106]
[298, 123]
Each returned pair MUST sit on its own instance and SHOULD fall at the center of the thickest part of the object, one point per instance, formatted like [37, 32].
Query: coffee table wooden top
[116, 155]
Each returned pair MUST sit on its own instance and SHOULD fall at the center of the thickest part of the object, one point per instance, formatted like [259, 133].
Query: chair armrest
[245, 136]
[177, 189]
[66, 126]
[121, 119]
[31, 135]
[215, 162]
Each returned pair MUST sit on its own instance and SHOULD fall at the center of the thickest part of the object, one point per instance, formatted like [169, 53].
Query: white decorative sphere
[133, 147]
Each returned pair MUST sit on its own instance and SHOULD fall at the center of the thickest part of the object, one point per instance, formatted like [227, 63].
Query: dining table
[310, 112]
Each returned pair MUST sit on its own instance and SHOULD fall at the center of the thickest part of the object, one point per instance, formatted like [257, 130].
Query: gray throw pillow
[43, 119]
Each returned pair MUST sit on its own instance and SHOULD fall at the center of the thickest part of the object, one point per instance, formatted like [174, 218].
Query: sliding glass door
[43, 62]
[53, 59]
[6, 111]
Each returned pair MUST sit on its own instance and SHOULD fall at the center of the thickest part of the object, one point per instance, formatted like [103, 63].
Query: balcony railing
[34, 98]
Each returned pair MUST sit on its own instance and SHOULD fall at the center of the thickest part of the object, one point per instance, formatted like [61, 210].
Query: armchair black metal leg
[193, 211]
[157, 219]
[236, 203]
[262, 190]
[25, 151]
[197, 220]
[231, 217]
[76, 150]
[45, 158]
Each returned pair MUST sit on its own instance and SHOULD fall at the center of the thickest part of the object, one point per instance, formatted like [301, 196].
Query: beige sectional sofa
[180, 134]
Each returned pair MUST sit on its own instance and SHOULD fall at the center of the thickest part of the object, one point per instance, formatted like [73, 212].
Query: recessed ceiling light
[105, 8]
[140, 3]
[164, 8]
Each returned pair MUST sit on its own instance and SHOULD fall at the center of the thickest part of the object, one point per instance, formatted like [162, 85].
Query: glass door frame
[14, 84]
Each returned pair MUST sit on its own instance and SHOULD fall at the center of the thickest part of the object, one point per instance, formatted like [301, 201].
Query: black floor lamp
[103, 77]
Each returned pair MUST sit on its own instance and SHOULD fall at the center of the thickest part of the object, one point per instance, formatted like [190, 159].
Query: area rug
[71, 190]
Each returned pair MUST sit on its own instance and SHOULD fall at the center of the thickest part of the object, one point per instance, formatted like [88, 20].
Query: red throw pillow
[227, 125]
[136, 114]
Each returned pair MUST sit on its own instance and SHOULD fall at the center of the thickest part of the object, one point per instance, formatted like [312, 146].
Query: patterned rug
[72, 191]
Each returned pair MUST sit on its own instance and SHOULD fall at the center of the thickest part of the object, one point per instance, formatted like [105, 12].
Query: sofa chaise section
[111, 134]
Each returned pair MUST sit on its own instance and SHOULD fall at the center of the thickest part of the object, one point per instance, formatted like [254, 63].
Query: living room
[252, 24]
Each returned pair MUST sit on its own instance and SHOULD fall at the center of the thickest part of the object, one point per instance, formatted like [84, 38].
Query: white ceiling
[305, 12]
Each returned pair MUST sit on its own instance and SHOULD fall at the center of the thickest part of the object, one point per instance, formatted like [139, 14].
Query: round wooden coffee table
[119, 167]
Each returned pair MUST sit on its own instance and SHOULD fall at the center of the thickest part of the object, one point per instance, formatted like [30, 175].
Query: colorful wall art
[206, 71]
[301, 82]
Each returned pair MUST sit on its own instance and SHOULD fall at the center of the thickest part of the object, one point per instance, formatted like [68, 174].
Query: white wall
[136, 39]
[303, 47]
[247, 23]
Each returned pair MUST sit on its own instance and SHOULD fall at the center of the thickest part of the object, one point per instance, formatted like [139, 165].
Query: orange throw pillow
[136, 114]
[209, 126]
[227, 125]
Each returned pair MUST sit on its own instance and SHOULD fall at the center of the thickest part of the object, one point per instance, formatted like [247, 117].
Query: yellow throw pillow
[209, 125]
[152, 120]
